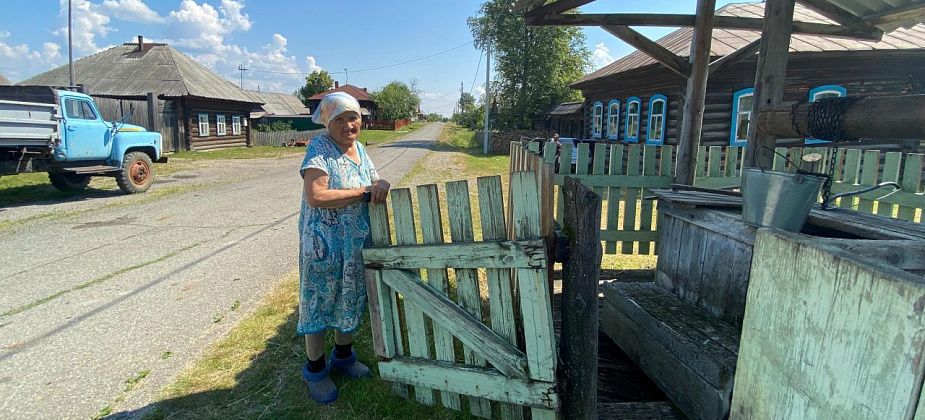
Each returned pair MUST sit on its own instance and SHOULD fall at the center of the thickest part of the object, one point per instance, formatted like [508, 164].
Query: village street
[95, 301]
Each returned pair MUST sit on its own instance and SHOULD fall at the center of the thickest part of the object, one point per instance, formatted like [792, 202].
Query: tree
[466, 101]
[315, 83]
[534, 65]
[396, 100]
[469, 115]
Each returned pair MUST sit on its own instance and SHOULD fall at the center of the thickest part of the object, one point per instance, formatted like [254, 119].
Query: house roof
[4, 80]
[125, 71]
[567, 108]
[280, 104]
[726, 41]
[359, 93]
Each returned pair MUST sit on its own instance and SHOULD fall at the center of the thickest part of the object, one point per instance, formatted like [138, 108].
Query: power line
[476, 75]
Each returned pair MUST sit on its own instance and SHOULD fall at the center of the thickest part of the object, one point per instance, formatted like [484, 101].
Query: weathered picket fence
[432, 331]
[624, 173]
[282, 138]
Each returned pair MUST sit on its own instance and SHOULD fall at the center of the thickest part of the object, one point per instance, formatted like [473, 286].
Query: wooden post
[152, 112]
[579, 301]
[695, 96]
[770, 77]
[887, 117]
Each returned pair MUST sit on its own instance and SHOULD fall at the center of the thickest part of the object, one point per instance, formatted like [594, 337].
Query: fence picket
[613, 195]
[387, 300]
[467, 286]
[911, 183]
[597, 168]
[432, 233]
[890, 173]
[869, 173]
[565, 167]
[731, 166]
[632, 195]
[780, 161]
[665, 166]
[646, 206]
[850, 175]
[701, 161]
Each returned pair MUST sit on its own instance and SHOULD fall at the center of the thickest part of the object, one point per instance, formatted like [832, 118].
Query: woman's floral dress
[332, 289]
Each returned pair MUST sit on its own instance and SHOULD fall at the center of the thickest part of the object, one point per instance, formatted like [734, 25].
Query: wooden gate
[477, 323]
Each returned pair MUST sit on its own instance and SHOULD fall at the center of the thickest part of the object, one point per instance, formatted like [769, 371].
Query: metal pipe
[70, 45]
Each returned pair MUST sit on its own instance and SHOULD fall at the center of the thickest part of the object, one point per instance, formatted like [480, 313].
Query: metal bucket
[778, 199]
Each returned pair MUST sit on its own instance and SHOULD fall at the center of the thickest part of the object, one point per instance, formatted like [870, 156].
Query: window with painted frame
[825, 91]
[597, 119]
[613, 119]
[203, 124]
[633, 107]
[658, 112]
[220, 128]
[236, 125]
[742, 101]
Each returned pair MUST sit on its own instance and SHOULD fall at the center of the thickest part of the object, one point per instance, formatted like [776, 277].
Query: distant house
[635, 99]
[4, 80]
[198, 108]
[282, 107]
[567, 119]
[367, 105]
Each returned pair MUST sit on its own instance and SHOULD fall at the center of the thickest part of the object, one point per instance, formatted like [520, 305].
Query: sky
[281, 41]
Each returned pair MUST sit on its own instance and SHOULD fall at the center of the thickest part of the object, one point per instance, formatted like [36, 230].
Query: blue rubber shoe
[350, 366]
[320, 386]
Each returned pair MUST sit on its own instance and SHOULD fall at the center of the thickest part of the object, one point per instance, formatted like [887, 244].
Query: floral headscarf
[334, 104]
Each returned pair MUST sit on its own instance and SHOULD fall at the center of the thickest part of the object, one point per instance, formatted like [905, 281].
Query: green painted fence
[623, 174]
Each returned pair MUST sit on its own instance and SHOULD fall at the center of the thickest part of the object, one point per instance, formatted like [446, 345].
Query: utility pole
[70, 45]
[242, 68]
[346, 76]
[487, 96]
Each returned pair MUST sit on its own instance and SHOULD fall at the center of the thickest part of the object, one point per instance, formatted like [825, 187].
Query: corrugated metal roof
[280, 104]
[567, 108]
[359, 93]
[726, 41]
[869, 9]
[159, 68]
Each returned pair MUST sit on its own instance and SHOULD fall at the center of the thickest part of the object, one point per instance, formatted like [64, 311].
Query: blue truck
[61, 132]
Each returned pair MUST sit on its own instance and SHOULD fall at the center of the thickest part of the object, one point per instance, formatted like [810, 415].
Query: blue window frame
[742, 102]
[597, 119]
[824, 91]
[631, 132]
[658, 112]
[613, 119]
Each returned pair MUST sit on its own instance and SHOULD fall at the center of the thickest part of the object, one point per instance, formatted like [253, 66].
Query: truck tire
[65, 181]
[137, 173]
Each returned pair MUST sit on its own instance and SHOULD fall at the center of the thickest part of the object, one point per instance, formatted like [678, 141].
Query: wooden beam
[885, 117]
[650, 48]
[557, 7]
[843, 17]
[770, 77]
[915, 11]
[695, 95]
[469, 330]
[719, 22]
[525, 5]
[499, 254]
[739, 55]
[469, 380]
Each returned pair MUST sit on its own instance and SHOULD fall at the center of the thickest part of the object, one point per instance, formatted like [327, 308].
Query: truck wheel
[137, 173]
[65, 181]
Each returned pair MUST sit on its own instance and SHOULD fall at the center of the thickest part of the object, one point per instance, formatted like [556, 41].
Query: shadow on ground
[44, 194]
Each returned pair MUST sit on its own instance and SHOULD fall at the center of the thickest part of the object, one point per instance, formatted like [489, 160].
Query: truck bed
[29, 116]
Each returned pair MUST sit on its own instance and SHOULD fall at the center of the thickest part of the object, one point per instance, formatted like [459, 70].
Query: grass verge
[373, 138]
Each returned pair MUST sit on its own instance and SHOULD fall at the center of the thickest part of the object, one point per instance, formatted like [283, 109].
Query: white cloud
[88, 24]
[130, 11]
[311, 64]
[601, 56]
[51, 51]
[232, 16]
[5, 34]
[18, 62]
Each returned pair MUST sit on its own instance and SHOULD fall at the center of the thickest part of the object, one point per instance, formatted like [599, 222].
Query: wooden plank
[695, 93]
[658, 53]
[579, 330]
[844, 17]
[701, 161]
[850, 175]
[890, 173]
[432, 233]
[494, 254]
[581, 164]
[628, 235]
[870, 171]
[665, 165]
[649, 168]
[467, 328]
[565, 167]
[911, 11]
[815, 318]
[500, 289]
[597, 168]
[625, 181]
[740, 54]
[730, 168]
[911, 182]
[555, 8]
[770, 77]
[613, 195]
[780, 159]
[535, 300]
[387, 300]
[467, 286]
[632, 195]
[549, 153]
[418, 346]
[479, 382]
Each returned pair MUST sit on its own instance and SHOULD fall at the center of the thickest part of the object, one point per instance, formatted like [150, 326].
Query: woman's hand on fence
[379, 190]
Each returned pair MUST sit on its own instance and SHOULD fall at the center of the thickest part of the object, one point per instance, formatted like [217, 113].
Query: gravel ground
[105, 299]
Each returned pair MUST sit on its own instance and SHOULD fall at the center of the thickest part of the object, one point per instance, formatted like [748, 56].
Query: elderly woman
[339, 181]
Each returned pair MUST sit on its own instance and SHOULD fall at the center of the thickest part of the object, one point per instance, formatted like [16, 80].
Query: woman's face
[345, 128]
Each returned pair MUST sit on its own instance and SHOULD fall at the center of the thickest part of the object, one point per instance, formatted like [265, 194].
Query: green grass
[459, 137]
[254, 372]
[372, 138]
[256, 152]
